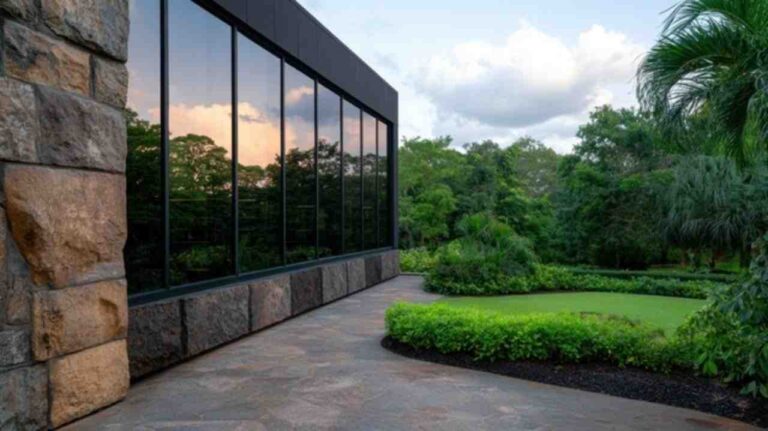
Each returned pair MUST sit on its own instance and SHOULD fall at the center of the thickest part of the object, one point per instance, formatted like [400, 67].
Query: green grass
[661, 311]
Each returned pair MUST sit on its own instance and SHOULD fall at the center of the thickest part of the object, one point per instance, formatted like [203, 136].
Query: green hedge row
[684, 276]
[552, 278]
[559, 337]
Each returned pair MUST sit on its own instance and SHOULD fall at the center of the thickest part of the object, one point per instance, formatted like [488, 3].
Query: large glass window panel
[144, 248]
[385, 223]
[370, 226]
[352, 179]
[258, 151]
[329, 171]
[300, 192]
[200, 115]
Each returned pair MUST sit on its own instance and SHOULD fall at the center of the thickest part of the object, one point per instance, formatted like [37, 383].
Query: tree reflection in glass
[144, 246]
[352, 179]
[329, 171]
[299, 166]
[369, 182]
[385, 232]
[200, 147]
[258, 130]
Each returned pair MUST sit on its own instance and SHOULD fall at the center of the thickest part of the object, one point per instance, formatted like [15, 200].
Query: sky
[499, 69]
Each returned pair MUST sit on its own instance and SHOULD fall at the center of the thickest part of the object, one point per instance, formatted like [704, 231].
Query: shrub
[489, 255]
[417, 260]
[553, 278]
[559, 337]
[733, 330]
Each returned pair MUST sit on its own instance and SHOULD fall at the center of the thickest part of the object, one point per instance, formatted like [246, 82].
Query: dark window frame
[168, 290]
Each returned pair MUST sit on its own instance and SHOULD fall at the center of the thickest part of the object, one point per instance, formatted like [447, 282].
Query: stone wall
[63, 305]
[164, 333]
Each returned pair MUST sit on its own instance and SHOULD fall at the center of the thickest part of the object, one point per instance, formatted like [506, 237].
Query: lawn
[662, 311]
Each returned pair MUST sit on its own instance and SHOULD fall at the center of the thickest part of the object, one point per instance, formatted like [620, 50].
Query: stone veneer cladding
[156, 334]
[63, 303]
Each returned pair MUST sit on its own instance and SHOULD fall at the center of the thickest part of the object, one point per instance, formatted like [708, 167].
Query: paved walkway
[326, 370]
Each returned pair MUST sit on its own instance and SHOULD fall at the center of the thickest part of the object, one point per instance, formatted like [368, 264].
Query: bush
[733, 330]
[417, 260]
[553, 278]
[559, 337]
[489, 255]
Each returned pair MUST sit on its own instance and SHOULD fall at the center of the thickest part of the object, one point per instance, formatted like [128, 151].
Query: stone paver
[326, 370]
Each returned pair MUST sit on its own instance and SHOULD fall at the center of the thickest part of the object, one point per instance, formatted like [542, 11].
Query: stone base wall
[164, 333]
[63, 304]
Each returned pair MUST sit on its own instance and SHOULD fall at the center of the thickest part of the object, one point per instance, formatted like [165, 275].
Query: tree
[535, 166]
[713, 205]
[711, 62]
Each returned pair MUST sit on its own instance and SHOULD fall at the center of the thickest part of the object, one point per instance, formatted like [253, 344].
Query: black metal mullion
[341, 169]
[282, 162]
[235, 253]
[317, 183]
[362, 183]
[164, 143]
[377, 187]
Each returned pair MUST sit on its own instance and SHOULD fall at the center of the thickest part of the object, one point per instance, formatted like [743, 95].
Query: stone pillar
[63, 304]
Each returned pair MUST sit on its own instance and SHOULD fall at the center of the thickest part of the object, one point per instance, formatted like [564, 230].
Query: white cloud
[533, 83]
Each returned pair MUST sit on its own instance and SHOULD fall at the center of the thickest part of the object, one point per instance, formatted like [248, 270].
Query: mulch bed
[676, 389]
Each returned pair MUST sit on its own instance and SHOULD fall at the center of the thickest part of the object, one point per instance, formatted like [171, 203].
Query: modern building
[175, 175]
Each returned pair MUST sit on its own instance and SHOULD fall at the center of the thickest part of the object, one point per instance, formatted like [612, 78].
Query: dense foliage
[553, 278]
[560, 337]
[733, 330]
[488, 255]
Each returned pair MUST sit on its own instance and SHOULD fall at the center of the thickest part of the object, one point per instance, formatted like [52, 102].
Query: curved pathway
[326, 370]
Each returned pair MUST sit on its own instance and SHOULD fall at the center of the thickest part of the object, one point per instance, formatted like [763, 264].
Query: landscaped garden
[636, 266]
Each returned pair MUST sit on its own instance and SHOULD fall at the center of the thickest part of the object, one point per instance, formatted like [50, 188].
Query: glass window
[300, 186]
[329, 171]
[383, 186]
[258, 152]
[370, 226]
[144, 248]
[200, 115]
[352, 179]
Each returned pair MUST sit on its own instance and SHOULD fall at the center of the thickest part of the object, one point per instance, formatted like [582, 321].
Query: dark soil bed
[676, 389]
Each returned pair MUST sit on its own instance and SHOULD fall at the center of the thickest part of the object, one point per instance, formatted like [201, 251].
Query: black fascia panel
[292, 30]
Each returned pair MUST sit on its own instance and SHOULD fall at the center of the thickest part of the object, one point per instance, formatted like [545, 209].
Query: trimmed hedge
[558, 337]
[678, 275]
[552, 278]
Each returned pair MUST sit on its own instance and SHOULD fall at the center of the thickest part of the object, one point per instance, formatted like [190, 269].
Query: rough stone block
[19, 130]
[86, 381]
[24, 398]
[390, 265]
[334, 282]
[14, 347]
[24, 9]
[154, 337]
[270, 301]
[68, 320]
[34, 57]
[18, 309]
[70, 226]
[306, 290]
[215, 317]
[372, 270]
[355, 275]
[78, 132]
[101, 25]
[110, 82]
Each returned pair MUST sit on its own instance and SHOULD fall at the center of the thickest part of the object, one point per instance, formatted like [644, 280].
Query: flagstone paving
[325, 370]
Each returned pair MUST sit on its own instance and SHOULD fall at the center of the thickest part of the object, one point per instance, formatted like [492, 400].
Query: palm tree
[711, 62]
[713, 205]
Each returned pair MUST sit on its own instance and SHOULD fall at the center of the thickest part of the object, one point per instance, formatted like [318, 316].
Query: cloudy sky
[499, 69]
